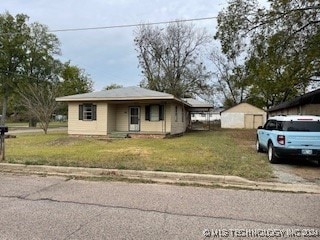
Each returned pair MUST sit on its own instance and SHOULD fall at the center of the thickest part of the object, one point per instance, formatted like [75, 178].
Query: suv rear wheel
[258, 146]
[271, 155]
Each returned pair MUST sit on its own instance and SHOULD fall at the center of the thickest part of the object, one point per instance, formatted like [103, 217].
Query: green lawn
[217, 152]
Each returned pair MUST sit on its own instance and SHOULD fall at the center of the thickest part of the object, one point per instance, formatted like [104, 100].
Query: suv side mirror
[260, 127]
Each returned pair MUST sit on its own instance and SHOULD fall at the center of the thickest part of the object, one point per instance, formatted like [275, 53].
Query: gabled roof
[241, 105]
[125, 93]
[308, 98]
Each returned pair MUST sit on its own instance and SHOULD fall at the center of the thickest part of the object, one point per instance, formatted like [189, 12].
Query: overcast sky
[109, 55]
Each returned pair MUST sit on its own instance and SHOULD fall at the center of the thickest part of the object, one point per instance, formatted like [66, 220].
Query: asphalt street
[34, 207]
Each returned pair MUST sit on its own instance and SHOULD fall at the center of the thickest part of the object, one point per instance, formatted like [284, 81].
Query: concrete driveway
[297, 171]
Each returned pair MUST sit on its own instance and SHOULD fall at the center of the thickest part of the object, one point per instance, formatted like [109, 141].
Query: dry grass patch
[143, 152]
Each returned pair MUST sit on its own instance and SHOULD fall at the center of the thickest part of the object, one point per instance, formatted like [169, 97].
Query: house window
[88, 112]
[176, 114]
[154, 112]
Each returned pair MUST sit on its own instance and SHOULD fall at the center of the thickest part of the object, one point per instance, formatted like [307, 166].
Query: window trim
[83, 112]
[160, 113]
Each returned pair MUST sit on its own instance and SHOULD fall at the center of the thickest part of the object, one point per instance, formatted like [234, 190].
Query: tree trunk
[32, 122]
[4, 110]
[2, 149]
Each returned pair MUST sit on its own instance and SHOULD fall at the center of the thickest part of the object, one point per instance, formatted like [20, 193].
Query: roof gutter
[66, 99]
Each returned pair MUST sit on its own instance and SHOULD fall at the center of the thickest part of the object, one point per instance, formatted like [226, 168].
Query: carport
[199, 107]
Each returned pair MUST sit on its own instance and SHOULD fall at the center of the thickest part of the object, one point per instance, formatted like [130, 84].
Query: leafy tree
[27, 58]
[233, 24]
[41, 48]
[14, 33]
[278, 45]
[74, 80]
[275, 76]
[29, 67]
[171, 59]
[40, 68]
[287, 58]
[112, 86]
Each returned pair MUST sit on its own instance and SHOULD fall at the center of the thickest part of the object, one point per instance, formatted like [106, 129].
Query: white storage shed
[243, 115]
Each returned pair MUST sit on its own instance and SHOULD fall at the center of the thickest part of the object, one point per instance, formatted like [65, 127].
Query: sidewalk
[36, 130]
[160, 177]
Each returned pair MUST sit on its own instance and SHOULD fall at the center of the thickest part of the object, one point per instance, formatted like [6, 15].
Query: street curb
[160, 177]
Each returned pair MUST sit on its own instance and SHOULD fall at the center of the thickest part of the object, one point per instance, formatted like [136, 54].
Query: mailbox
[3, 130]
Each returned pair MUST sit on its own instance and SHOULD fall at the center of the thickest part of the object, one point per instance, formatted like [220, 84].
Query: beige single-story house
[131, 110]
[243, 115]
[307, 104]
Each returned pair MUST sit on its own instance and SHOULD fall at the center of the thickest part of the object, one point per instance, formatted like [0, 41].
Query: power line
[119, 26]
[130, 25]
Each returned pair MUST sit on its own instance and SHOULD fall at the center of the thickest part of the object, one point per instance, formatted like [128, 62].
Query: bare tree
[231, 81]
[171, 58]
[40, 101]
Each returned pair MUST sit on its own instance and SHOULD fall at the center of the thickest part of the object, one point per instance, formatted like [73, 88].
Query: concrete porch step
[118, 135]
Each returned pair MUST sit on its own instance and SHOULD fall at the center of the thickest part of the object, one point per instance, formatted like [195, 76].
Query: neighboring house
[243, 115]
[131, 110]
[307, 104]
[60, 118]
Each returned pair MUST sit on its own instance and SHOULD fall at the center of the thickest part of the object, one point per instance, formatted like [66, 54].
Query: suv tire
[258, 146]
[271, 154]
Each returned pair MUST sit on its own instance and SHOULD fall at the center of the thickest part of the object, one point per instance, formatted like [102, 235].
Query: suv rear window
[299, 126]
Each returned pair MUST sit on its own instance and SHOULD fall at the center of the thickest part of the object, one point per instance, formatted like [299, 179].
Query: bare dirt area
[297, 171]
[288, 171]
[244, 137]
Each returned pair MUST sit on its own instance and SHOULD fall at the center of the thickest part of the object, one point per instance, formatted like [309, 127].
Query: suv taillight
[281, 139]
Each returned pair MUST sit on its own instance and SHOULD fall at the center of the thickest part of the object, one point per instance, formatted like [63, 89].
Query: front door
[134, 119]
